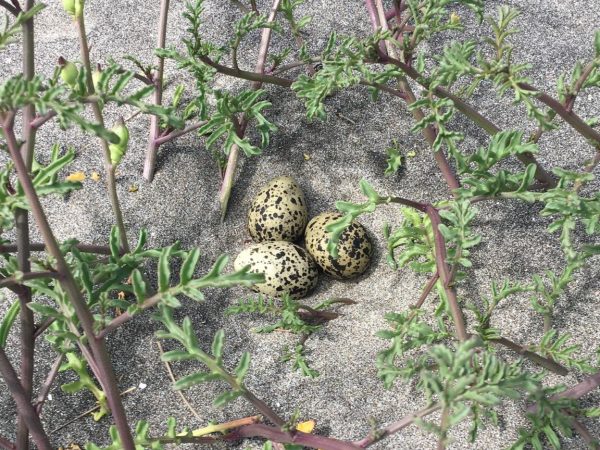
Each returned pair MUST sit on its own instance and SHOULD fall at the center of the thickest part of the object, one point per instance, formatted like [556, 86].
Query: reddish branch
[25, 409]
[99, 354]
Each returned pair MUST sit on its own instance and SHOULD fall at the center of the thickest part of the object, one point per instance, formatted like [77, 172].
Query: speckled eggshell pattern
[354, 248]
[278, 212]
[287, 268]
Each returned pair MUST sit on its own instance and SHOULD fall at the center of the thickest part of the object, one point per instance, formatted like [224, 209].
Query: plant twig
[10, 281]
[110, 172]
[429, 133]
[227, 184]
[38, 247]
[22, 228]
[546, 363]
[24, 407]
[427, 290]
[271, 433]
[444, 272]
[380, 434]
[225, 426]
[105, 372]
[157, 79]
[6, 444]
[476, 117]
[569, 116]
[587, 71]
[172, 377]
[10, 8]
[89, 411]
[441, 444]
[45, 388]
[579, 390]
[178, 133]
[585, 434]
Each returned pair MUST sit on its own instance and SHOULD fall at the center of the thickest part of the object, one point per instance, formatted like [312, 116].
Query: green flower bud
[117, 151]
[73, 7]
[79, 7]
[69, 72]
[69, 6]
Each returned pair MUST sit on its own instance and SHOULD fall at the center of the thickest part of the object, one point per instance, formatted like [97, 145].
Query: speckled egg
[287, 268]
[354, 248]
[278, 212]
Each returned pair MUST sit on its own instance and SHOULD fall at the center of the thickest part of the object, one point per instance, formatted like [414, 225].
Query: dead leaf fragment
[76, 177]
[306, 157]
[95, 176]
[133, 188]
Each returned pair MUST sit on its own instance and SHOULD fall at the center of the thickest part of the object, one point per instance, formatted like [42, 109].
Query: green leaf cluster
[84, 382]
[192, 350]
[9, 31]
[414, 239]
[479, 168]
[467, 382]
[225, 121]
[408, 333]
[343, 65]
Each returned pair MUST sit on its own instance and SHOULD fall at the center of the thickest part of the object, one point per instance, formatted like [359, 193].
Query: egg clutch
[277, 218]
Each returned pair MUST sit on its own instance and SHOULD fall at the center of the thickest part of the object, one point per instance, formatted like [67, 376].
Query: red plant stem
[444, 272]
[24, 407]
[127, 316]
[10, 8]
[274, 434]
[178, 133]
[43, 327]
[579, 390]
[390, 13]
[22, 229]
[440, 260]
[428, 132]
[26, 319]
[526, 158]
[546, 363]
[410, 203]
[587, 71]
[228, 177]
[11, 281]
[45, 388]
[585, 434]
[374, 17]
[105, 372]
[427, 290]
[153, 145]
[396, 426]
[38, 247]
[6, 444]
[38, 121]
[569, 116]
